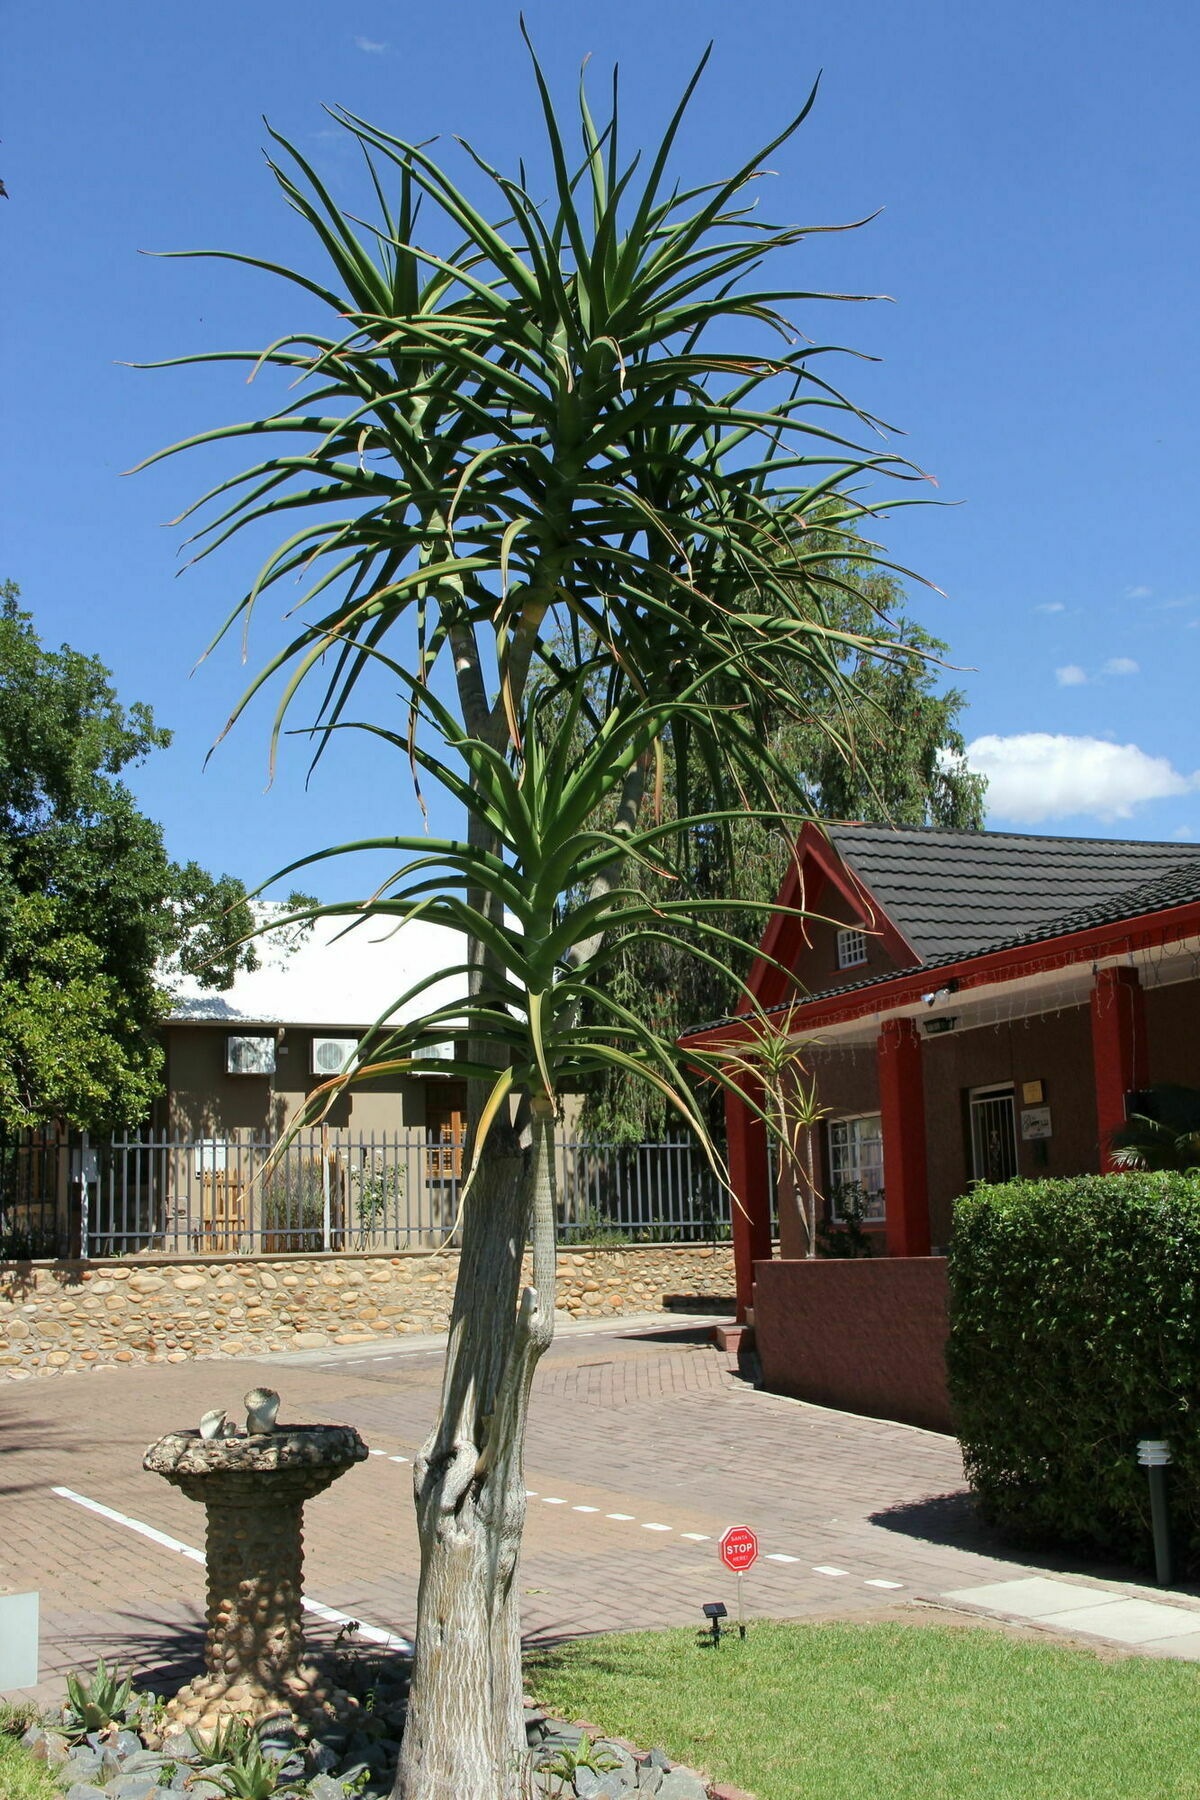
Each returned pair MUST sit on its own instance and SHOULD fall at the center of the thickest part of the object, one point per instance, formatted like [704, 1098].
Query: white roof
[350, 981]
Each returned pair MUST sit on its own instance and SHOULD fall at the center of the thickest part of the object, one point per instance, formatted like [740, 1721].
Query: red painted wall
[868, 1336]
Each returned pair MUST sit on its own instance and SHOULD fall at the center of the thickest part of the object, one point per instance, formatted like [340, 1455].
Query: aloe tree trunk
[465, 1736]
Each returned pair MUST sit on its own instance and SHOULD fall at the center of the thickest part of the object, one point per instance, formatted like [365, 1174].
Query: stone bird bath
[254, 1484]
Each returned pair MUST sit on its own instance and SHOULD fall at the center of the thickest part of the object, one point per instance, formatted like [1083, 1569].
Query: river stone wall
[56, 1316]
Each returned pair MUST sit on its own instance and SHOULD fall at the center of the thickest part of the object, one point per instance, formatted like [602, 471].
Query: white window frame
[851, 947]
[847, 1164]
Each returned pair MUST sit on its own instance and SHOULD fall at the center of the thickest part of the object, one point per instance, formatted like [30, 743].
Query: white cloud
[1121, 665]
[1070, 676]
[372, 49]
[1050, 606]
[1183, 834]
[1038, 775]
[1138, 593]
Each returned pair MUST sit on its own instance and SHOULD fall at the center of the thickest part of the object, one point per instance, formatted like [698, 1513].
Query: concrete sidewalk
[645, 1443]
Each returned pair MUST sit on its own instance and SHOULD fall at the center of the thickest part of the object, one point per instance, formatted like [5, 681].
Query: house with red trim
[968, 1006]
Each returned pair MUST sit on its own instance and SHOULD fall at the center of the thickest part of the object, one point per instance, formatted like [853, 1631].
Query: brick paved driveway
[644, 1444]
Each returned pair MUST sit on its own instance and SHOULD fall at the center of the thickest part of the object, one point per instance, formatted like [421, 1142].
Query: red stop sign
[738, 1548]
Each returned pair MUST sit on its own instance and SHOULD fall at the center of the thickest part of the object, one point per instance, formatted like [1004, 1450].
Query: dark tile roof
[952, 892]
[1177, 887]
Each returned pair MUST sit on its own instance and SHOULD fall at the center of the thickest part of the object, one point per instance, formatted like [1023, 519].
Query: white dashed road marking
[694, 1537]
[374, 1634]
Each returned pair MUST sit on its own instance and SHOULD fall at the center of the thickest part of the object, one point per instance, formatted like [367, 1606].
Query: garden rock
[324, 1787]
[83, 1764]
[83, 1790]
[322, 1758]
[614, 1784]
[133, 1787]
[649, 1779]
[682, 1784]
[180, 1748]
[45, 1746]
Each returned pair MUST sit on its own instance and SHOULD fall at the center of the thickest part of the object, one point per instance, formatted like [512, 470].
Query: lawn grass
[890, 1712]
[20, 1777]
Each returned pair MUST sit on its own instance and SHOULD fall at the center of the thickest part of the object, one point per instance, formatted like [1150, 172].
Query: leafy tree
[882, 744]
[554, 450]
[91, 907]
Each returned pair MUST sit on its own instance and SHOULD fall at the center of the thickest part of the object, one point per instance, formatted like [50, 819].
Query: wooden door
[445, 1127]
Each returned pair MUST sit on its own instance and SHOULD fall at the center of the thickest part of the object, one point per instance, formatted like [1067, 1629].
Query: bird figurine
[212, 1422]
[262, 1405]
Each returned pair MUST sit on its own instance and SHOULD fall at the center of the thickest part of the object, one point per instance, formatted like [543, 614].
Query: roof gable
[953, 892]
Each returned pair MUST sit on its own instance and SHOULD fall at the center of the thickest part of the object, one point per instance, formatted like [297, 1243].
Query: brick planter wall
[867, 1336]
[79, 1315]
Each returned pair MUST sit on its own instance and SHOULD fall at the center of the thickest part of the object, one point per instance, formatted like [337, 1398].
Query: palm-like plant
[1165, 1135]
[559, 450]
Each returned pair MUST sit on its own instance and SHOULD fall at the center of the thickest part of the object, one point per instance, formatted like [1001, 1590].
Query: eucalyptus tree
[552, 445]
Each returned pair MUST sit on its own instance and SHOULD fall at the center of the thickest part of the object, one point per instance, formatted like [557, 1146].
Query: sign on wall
[1035, 1123]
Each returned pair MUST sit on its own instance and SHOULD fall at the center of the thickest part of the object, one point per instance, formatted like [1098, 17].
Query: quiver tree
[546, 448]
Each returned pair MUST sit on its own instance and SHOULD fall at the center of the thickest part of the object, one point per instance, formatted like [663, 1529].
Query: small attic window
[851, 948]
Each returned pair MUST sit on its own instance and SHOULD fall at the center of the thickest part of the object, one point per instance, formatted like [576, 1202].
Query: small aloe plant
[563, 1763]
[98, 1699]
[235, 1761]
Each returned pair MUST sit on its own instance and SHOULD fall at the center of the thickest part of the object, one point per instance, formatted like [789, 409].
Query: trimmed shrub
[1074, 1332]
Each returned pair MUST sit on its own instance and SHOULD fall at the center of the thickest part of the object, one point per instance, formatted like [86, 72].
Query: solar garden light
[714, 1612]
[1154, 1454]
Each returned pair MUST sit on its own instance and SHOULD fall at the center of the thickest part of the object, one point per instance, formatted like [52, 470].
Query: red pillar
[1118, 1048]
[751, 1203]
[902, 1110]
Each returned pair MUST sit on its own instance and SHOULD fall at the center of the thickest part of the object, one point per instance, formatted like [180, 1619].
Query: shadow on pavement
[32, 1437]
[952, 1519]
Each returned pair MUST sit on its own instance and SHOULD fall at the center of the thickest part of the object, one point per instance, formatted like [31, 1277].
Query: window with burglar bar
[851, 948]
[856, 1164]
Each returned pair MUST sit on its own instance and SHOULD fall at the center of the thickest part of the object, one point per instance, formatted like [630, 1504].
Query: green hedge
[1075, 1330]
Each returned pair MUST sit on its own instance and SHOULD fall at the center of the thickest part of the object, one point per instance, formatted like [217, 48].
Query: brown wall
[868, 1337]
[204, 1101]
[1173, 1033]
[1056, 1049]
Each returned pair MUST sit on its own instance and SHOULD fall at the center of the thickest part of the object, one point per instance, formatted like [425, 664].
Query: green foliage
[562, 1764]
[1164, 1134]
[91, 908]
[235, 1760]
[565, 451]
[99, 1699]
[1075, 1331]
[23, 1778]
[880, 743]
[847, 1238]
[292, 1204]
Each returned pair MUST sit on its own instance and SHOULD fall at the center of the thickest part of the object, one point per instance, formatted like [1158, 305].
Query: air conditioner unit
[331, 1055]
[249, 1055]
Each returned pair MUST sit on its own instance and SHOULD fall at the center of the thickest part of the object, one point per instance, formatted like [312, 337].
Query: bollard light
[1154, 1455]
[714, 1612]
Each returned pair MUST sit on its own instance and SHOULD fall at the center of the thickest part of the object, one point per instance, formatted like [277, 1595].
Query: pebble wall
[56, 1316]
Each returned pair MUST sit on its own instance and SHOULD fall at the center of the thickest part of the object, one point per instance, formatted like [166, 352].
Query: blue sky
[1037, 169]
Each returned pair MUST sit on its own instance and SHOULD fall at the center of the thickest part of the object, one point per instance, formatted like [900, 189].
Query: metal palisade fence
[329, 1190]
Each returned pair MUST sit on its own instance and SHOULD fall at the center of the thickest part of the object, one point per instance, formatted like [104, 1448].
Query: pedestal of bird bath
[254, 1488]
